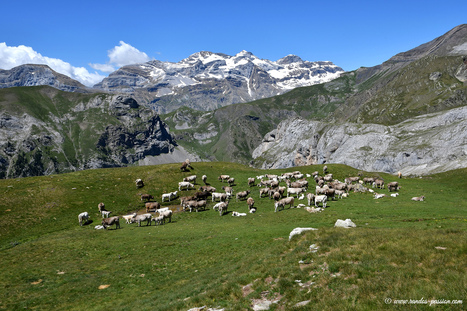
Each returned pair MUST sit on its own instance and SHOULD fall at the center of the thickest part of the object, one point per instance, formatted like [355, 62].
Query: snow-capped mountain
[207, 80]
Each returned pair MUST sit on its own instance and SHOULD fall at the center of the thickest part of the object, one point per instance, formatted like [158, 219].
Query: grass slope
[401, 249]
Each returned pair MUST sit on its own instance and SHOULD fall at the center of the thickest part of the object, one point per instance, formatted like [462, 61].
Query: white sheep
[379, 196]
[167, 215]
[185, 184]
[84, 216]
[169, 196]
[191, 178]
[218, 195]
[283, 202]
[129, 218]
[143, 217]
[237, 214]
[158, 220]
[223, 208]
[394, 194]
[321, 199]
[105, 214]
[297, 191]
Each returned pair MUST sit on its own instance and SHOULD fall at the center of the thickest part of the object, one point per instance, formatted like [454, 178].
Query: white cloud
[121, 55]
[12, 56]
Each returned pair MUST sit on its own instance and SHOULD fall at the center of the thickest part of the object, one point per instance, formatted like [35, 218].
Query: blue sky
[81, 37]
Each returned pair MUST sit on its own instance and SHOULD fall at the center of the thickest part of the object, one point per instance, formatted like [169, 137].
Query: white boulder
[345, 223]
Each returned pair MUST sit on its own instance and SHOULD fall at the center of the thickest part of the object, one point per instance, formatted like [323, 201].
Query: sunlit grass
[401, 249]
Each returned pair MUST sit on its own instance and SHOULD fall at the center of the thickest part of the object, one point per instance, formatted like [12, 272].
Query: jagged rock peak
[290, 59]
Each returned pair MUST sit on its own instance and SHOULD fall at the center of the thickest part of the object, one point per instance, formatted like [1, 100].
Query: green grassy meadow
[400, 249]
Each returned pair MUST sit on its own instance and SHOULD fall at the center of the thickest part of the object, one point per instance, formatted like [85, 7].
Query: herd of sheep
[282, 189]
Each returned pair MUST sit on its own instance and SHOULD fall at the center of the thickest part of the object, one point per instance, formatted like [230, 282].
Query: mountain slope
[206, 80]
[34, 75]
[44, 130]
[428, 79]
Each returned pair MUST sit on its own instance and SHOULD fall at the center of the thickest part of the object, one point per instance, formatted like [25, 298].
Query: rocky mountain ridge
[34, 75]
[206, 80]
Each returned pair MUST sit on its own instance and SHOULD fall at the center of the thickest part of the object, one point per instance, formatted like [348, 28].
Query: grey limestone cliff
[426, 144]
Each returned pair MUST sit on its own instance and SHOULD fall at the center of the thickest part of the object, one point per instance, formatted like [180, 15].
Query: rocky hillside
[427, 80]
[44, 130]
[34, 75]
[207, 81]
[426, 144]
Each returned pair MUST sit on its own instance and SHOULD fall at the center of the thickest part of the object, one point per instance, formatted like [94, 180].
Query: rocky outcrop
[125, 145]
[88, 132]
[33, 75]
[426, 144]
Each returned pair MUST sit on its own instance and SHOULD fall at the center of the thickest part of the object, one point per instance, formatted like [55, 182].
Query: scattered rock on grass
[299, 231]
[345, 223]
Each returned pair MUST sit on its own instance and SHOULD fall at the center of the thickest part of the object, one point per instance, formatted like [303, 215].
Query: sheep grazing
[264, 191]
[399, 174]
[185, 184]
[323, 199]
[242, 195]
[167, 215]
[83, 217]
[250, 203]
[185, 165]
[191, 179]
[139, 183]
[350, 180]
[204, 179]
[207, 188]
[169, 196]
[292, 191]
[101, 207]
[105, 214]
[378, 183]
[277, 196]
[158, 220]
[228, 190]
[368, 180]
[379, 196]
[339, 193]
[222, 178]
[393, 186]
[152, 206]
[196, 205]
[422, 198]
[202, 195]
[283, 202]
[223, 207]
[325, 169]
[218, 195]
[231, 181]
[237, 214]
[310, 197]
[328, 177]
[298, 184]
[107, 222]
[129, 218]
[251, 182]
[143, 217]
[146, 197]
